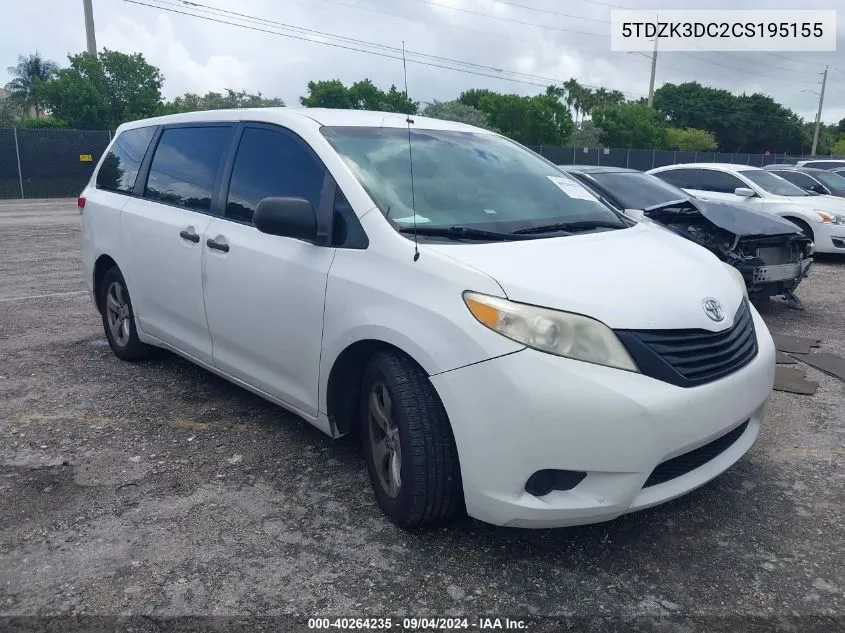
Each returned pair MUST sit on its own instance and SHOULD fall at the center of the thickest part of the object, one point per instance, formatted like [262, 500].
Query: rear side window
[823, 164]
[681, 178]
[718, 181]
[268, 164]
[796, 178]
[185, 166]
[120, 165]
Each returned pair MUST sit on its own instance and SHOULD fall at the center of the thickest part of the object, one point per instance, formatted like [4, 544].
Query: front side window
[681, 178]
[833, 181]
[269, 164]
[185, 165]
[122, 162]
[718, 181]
[637, 190]
[464, 180]
[773, 184]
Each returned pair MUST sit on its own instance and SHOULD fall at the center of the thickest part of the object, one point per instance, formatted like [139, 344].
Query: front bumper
[528, 411]
[829, 238]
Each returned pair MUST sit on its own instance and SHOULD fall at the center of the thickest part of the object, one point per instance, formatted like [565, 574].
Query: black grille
[683, 464]
[688, 358]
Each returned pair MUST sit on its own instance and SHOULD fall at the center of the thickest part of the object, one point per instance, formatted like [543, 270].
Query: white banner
[723, 30]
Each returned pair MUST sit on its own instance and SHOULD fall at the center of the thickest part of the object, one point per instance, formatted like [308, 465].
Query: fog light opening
[544, 481]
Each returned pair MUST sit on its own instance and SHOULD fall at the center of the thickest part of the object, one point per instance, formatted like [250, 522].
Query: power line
[710, 61]
[527, 8]
[504, 19]
[526, 79]
[342, 46]
[196, 6]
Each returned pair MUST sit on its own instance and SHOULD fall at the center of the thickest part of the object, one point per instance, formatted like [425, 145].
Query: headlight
[552, 331]
[740, 280]
[830, 218]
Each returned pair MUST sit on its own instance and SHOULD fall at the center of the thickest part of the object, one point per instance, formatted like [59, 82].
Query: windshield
[638, 191]
[834, 182]
[463, 179]
[772, 183]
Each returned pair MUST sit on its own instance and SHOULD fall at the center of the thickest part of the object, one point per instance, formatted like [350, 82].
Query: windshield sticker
[572, 188]
[410, 220]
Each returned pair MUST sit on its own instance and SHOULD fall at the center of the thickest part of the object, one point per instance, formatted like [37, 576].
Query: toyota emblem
[713, 309]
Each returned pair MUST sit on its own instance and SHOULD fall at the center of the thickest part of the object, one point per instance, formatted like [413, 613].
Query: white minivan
[501, 340]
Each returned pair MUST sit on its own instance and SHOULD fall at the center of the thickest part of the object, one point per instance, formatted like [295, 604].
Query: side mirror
[287, 217]
[744, 192]
[817, 189]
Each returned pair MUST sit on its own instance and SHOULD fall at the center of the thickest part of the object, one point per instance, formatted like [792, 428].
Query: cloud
[183, 71]
[198, 55]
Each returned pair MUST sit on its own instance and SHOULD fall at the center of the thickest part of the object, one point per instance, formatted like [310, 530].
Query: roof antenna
[408, 122]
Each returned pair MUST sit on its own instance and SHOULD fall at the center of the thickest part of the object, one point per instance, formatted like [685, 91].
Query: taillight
[80, 202]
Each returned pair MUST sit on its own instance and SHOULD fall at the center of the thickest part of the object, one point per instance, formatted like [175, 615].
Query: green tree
[838, 148]
[456, 111]
[361, 95]
[588, 135]
[631, 125]
[691, 140]
[767, 126]
[28, 74]
[741, 123]
[691, 105]
[190, 102]
[840, 127]
[103, 90]
[538, 120]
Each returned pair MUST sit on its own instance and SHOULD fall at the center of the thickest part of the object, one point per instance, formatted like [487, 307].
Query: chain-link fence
[645, 159]
[42, 163]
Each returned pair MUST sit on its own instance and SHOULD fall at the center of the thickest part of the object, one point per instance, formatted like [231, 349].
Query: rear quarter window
[120, 166]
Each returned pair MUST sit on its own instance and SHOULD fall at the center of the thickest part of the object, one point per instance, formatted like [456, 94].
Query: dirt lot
[159, 489]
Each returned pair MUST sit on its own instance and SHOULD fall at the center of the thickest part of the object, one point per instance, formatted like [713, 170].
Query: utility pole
[819, 114]
[89, 27]
[653, 71]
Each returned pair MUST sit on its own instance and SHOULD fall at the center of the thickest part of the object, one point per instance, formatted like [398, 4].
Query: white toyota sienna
[500, 339]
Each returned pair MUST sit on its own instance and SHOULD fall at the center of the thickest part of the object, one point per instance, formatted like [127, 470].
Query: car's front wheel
[118, 317]
[408, 443]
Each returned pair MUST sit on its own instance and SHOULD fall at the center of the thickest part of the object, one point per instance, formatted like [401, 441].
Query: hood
[641, 277]
[744, 222]
[823, 203]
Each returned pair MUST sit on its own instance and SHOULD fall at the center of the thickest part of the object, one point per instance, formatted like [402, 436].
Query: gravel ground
[159, 489]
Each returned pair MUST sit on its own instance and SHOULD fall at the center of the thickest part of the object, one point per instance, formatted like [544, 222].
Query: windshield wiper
[459, 232]
[583, 225]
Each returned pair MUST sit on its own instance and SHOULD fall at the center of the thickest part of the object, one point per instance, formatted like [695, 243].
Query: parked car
[821, 164]
[819, 181]
[501, 339]
[821, 218]
[772, 254]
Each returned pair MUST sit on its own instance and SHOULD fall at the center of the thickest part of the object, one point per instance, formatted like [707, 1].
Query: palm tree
[573, 95]
[28, 73]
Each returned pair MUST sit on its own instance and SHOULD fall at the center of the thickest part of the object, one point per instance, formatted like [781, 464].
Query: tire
[429, 485]
[805, 228]
[119, 319]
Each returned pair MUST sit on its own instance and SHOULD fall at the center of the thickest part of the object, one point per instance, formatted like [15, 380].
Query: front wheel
[408, 443]
[803, 226]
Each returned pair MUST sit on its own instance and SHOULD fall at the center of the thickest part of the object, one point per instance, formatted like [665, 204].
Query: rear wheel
[119, 319]
[408, 443]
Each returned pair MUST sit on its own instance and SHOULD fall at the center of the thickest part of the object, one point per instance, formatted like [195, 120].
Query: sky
[197, 55]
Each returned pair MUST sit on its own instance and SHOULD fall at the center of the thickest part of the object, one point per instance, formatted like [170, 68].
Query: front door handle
[218, 246]
[188, 234]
